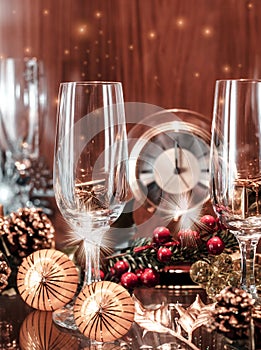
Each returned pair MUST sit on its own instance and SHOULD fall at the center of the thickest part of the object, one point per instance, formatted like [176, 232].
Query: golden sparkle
[98, 14]
[152, 35]
[66, 52]
[45, 12]
[207, 31]
[196, 75]
[27, 49]
[226, 68]
[131, 47]
[180, 22]
[82, 29]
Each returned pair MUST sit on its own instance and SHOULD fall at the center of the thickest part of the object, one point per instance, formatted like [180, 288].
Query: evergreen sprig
[143, 253]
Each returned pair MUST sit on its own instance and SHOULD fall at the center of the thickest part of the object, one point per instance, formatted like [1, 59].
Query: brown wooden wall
[166, 52]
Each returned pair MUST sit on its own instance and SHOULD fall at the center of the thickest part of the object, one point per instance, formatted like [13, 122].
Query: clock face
[169, 168]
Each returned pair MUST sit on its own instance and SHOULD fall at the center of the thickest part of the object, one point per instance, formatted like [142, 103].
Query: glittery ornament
[234, 278]
[104, 311]
[215, 285]
[222, 263]
[47, 279]
[200, 272]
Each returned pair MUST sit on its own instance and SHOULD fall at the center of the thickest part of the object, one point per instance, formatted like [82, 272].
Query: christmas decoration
[215, 273]
[5, 272]
[21, 233]
[203, 241]
[232, 313]
[129, 280]
[215, 245]
[161, 235]
[39, 332]
[25, 231]
[104, 311]
[47, 279]
[149, 277]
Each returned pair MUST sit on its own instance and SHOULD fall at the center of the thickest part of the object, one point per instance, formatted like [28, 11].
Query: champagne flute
[22, 93]
[236, 167]
[90, 168]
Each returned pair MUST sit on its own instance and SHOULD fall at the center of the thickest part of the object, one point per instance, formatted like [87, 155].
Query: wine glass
[236, 167]
[90, 168]
[22, 94]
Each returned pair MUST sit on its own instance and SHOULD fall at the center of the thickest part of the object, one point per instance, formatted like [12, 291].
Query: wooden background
[166, 52]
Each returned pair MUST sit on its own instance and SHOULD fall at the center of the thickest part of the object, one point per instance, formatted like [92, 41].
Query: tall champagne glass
[236, 167]
[90, 167]
[22, 95]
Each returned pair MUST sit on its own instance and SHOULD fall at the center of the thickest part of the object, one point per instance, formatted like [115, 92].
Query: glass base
[64, 317]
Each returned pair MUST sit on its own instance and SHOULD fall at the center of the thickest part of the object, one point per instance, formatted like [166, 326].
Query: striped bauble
[104, 311]
[47, 279]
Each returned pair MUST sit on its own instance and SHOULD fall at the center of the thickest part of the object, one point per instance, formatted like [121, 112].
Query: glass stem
[248, 248]
[92, 262]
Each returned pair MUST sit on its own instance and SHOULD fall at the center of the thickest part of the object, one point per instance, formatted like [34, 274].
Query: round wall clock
[169, 161]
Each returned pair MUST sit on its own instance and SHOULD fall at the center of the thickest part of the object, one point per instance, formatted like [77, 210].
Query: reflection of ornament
[5, 272]
[232, 313]
[25, 231]
[39, 332]
[47, 279]
[104, 311]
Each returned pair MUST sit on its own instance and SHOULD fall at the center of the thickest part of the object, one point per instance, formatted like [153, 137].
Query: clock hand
[176, 157]
[184, 181]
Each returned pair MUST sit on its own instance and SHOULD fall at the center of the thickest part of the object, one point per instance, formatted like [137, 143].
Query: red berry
[129, 280]
[138, 273]
[215, 245]
[149, 277]
[121, 266]
[102, 275]
[188, 237]
[209, 221]
[164, 254]
[161, 235]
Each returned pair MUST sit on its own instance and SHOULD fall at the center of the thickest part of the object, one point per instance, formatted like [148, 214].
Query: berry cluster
[142, 263]
[121, 272]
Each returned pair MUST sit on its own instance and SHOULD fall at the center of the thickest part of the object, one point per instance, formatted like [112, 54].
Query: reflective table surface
[24, 328]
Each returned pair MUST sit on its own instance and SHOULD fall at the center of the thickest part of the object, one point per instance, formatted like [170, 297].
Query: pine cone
[25, 231]
[232, 313]
[5, 272]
